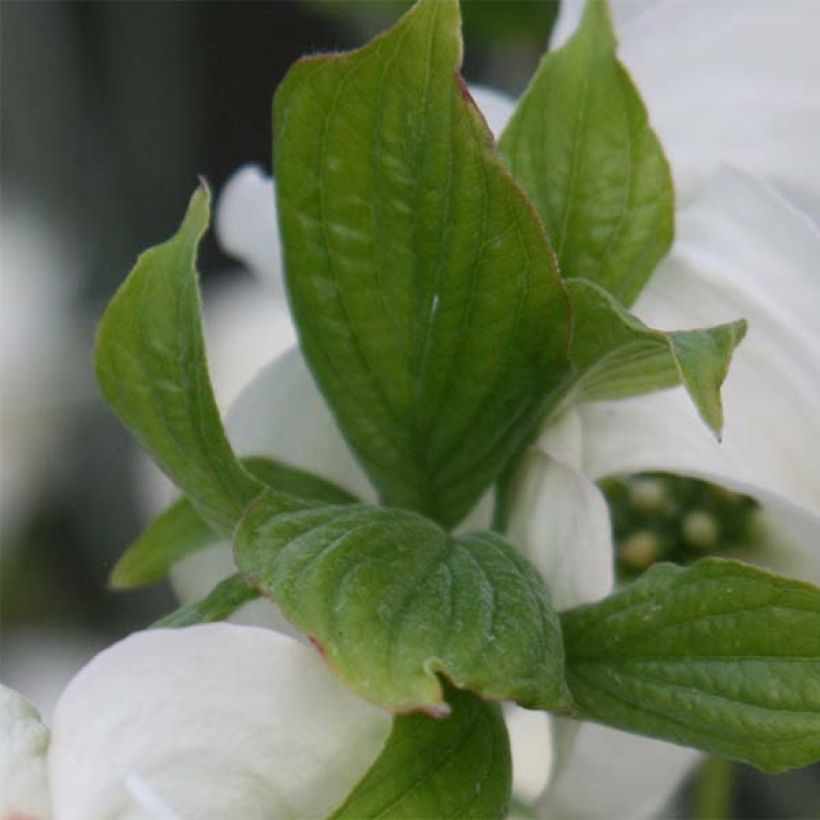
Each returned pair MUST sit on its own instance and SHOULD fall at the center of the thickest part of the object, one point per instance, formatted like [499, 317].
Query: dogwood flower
[742, 250]
[261, 725]
[207, 722]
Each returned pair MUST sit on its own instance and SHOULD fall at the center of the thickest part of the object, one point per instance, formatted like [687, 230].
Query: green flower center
[664, 517]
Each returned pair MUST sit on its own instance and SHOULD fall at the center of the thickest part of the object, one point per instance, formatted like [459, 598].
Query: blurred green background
[110, 110]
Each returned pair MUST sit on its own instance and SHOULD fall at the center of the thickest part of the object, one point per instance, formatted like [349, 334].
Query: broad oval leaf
[425, 292]
[581, 145]
[459, 766]
[179, 530]
[152, 370]
[617, 356]
[720, 656]
[392, 601]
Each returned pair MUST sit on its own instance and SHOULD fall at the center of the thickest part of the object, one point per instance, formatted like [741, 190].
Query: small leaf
[425, 292]
[581, 145]
[176, 532]
[392, 600]
[456, 767]
[720, 656]
[180, 530]
[152, 370]
[219, 604]
[617, 356]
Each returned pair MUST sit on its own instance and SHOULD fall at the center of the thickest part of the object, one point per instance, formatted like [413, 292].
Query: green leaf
[220, 603]
[426, 295]
[617, 356]
[276, 475]
[720, 656]
[456, 767]
[176, 532]
[152, 370]
[581, 145]
[180, 530]
[391, 601]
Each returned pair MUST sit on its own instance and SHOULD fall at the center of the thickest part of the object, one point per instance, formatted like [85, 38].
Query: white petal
[23, 744]
[531, 746]
[496, 107]
[560, 519]
[246, 327]
[728, 81]
[213, 721]
[613, 775]
[282, 415]
[571, 11]
[741, 251]
[790, 541]
[246, 224]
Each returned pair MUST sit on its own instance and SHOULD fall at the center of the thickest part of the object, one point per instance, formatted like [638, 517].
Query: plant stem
[713, 791]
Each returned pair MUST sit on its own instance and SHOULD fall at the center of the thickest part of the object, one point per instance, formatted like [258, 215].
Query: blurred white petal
[216, 721]
[531, 746]
[496, 107]
[791, 545]
[246, 225]
[246, 327]
[282, 415]
[741, 252]
[560, 520]
[726, 81]
[612, 775]
[23, 744]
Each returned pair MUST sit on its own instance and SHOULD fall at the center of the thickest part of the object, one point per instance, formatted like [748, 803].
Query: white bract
[207, 722]
[725, 83]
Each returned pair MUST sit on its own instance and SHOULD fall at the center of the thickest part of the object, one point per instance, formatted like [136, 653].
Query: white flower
[256, 716]
[209, 722]
[741, 251]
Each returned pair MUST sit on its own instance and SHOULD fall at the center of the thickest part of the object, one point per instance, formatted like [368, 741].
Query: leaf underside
[617, 356]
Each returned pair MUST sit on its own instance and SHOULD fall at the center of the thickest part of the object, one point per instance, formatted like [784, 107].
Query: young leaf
[220, 603]
[456, 767]
[180, 530]
[425, 292]
[581, 145]
[152, 370]
[391, 601]
[616, 355]
[720, 656]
